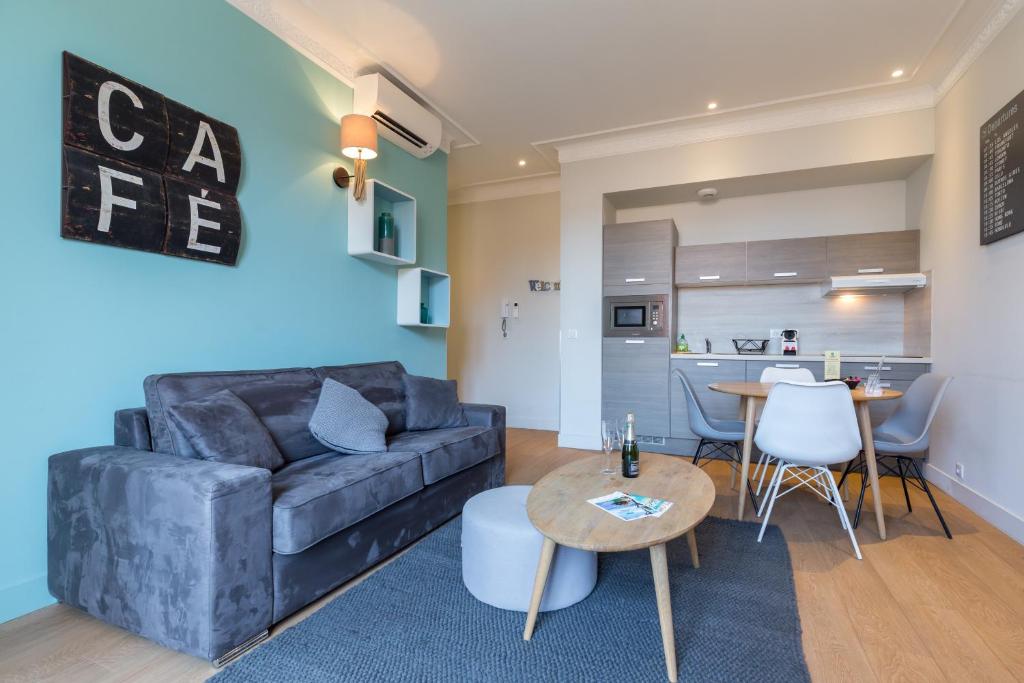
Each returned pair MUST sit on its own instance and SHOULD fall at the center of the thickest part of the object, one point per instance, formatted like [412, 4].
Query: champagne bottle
[630, 451]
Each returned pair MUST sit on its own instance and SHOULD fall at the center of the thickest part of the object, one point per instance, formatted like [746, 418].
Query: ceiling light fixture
[897, 73]
[522, 162]
[712, 105]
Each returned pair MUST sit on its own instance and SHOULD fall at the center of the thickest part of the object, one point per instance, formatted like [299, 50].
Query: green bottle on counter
[683, 346]
[630, 450]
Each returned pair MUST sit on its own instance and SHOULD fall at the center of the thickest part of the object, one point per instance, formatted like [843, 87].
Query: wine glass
[610, 436]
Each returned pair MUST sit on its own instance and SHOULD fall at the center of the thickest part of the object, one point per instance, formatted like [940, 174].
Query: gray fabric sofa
[204, 557]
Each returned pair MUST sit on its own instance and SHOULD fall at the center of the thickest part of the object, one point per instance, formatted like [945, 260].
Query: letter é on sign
[103, 116]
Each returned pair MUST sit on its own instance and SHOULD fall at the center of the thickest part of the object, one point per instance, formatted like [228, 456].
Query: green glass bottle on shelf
[386, 233]
[683, 346]
[630, 450]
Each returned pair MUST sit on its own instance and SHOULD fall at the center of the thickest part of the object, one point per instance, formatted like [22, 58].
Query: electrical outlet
[959, 469]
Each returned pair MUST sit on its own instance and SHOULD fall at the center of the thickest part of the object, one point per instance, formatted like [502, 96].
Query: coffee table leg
[748, 444]
[868, 439]
[543, 565]
[691, 538]
[659, 565]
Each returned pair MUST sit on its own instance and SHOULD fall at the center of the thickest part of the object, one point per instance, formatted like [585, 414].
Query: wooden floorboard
[917, 608]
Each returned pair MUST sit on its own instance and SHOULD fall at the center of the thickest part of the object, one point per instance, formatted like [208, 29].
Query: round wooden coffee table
[558, 507]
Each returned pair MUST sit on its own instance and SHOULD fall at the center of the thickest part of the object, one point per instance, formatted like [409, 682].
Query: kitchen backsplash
[865, 325]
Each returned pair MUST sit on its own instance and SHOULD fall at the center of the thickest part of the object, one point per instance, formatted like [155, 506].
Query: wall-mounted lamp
[359, 142]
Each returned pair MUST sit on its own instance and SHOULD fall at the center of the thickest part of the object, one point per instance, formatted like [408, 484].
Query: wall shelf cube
[362, 223]
[418, 286]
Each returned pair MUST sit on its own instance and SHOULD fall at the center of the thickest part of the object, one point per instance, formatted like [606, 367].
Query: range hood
[897, 283]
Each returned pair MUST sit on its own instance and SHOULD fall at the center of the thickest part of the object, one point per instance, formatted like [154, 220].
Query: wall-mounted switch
[515, 310]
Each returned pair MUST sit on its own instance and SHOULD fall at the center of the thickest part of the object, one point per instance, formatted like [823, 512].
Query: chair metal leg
[843, 519]
[860, 498]
[771, 495]
[849, 468]
[750, 489]
[924, 484]
[903, 480]
[700, 447]
[764, 468]
[776, 477]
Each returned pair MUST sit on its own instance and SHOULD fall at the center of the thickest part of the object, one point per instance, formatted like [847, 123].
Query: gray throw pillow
[222, 428]
[346, 422]
[432, 404]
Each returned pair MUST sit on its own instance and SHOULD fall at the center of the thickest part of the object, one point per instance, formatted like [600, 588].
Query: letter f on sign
[108, 200]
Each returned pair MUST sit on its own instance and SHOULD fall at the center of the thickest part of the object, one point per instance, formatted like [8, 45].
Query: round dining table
[752, 392]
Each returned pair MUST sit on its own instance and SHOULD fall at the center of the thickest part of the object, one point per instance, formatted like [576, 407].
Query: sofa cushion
[317, 497]
[346, 422]
[447, 451]
[283, 400]
[379, 383]
[222, 428]
[431, 404]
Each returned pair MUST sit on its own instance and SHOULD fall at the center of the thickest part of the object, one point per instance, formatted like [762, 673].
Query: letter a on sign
[203, 150]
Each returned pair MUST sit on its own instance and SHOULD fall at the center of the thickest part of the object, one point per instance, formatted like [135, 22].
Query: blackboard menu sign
[1002, 185]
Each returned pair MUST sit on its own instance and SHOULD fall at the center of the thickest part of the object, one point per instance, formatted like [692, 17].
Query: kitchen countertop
[801, 357]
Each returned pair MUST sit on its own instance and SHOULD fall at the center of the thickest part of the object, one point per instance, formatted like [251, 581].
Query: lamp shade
[358, 136]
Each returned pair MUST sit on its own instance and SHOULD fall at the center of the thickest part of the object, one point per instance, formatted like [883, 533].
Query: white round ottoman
[500, 550]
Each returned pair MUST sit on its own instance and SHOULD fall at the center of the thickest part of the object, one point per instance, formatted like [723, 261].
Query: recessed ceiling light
[522, 162]
[897, 73]
[712, 105]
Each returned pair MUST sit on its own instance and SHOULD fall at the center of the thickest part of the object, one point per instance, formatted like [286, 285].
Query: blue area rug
[735, 619]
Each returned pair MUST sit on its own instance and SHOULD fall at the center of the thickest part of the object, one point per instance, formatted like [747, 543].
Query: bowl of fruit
[852, 382]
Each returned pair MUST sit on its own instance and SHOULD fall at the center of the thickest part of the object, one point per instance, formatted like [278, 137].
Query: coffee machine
[790, 345]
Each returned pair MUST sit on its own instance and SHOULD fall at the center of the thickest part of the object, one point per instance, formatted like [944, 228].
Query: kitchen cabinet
[711, 264]
[756, 367]
[716, 404]
[787, 261]
[635, 378]
[878, 252]
[638, 256]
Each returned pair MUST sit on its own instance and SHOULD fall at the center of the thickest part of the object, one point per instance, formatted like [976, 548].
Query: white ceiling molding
[264, 14]
[506, 189]
[997, 21]
[691, 132]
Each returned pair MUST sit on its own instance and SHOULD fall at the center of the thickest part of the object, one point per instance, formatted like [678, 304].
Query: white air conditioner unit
[400, 119]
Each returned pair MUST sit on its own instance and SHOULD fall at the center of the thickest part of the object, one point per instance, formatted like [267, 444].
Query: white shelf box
[418, 286]
[362, 223]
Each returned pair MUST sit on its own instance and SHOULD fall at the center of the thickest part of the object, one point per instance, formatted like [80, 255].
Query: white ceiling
[513, 77]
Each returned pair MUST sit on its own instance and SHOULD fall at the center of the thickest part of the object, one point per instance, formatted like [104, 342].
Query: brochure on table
[631, 506]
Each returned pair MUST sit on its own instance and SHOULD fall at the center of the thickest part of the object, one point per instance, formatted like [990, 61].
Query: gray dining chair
[720, 436]
[903, 438]
[808, 428]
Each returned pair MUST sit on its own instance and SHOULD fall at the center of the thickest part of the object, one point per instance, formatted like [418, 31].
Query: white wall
[870, 207]
[494, 248]
[584, 184]
[977, 323]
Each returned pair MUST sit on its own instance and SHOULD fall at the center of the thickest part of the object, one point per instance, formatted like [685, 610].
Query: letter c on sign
[103, 115]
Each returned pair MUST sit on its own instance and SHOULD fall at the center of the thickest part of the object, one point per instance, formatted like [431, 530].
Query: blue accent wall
[82, 324]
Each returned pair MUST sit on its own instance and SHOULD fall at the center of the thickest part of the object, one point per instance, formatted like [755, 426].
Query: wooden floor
[918, 607]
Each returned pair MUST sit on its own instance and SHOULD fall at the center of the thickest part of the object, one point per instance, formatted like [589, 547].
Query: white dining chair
[807, 428]
[772, 375]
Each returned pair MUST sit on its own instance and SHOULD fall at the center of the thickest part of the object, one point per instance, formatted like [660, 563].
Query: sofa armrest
[131, 428]
[173, 549]
[482, 415]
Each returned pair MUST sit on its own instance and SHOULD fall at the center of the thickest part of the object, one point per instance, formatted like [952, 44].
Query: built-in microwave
[635, 316]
